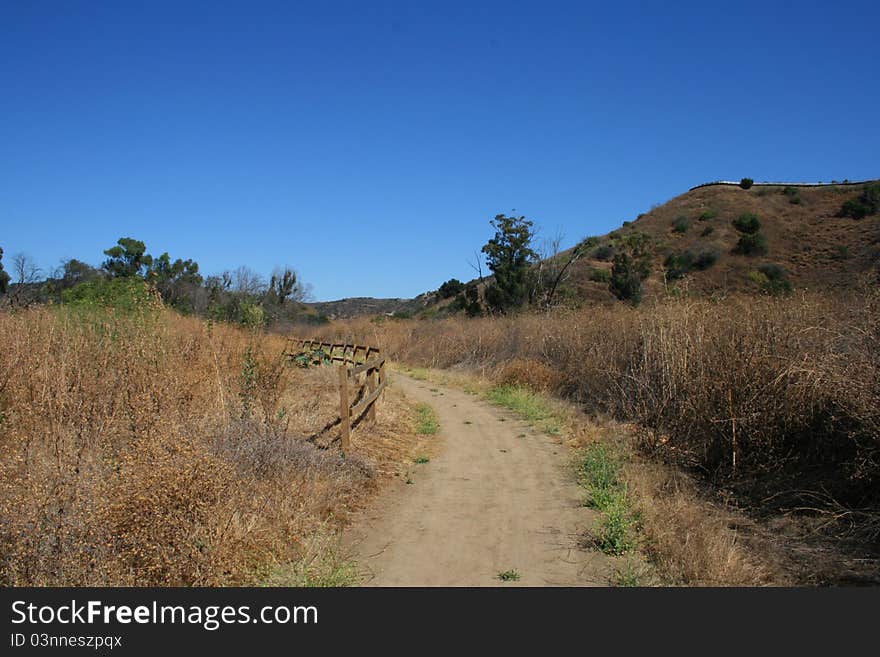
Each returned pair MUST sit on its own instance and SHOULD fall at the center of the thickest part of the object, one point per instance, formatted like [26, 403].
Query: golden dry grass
[776, 401]
[152, 449]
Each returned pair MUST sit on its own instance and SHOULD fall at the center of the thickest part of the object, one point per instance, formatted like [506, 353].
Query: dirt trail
[494, 497]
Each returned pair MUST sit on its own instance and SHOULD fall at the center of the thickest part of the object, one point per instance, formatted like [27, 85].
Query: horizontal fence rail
[335, 351]
[733, 183]
[362, 379]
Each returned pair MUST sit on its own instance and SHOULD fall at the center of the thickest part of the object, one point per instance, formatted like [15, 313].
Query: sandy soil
[495, 496]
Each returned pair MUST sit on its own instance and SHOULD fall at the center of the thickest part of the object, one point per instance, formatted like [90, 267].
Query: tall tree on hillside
[510, 256]
[4, 277]
[128, 258]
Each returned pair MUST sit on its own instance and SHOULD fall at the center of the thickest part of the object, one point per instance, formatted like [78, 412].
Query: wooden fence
[362, 379]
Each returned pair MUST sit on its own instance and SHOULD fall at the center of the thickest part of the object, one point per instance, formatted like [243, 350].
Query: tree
[284, 284]
[177, 282]
[554, 267]
[246, 281]
[450, 288]
[509, 256]
[4, 277]
[75, 271]
[128, 258]
[25, 269]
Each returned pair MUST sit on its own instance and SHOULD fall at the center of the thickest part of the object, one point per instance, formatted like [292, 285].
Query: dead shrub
[527, 372]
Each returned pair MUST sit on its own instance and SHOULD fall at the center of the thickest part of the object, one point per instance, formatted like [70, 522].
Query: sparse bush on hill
[746, 183]
[705, 259]
[681, 225]
[772, 278]
[748, 223]
[630, 268]
[706, 215]
[604, 253]
[751, 244]
[598, 275]
[708, 230]
[678, 265]
[867, 203]
[793, 194]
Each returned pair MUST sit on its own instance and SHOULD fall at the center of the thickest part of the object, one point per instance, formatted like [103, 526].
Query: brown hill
[805, 236]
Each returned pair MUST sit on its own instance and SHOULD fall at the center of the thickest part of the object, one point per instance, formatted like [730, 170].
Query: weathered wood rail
[362, 379]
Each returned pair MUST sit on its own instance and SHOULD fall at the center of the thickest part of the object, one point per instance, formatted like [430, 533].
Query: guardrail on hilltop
[362, 379]
[733, 183]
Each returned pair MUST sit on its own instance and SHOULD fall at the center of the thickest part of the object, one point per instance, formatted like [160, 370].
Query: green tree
[510, 256]
[450, 288]
[283, 285]
[76, 271]
[468, 300]
[128, 258]
[4, 277]
[177, 281]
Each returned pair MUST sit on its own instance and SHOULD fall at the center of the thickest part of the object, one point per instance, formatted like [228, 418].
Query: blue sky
[369, 144]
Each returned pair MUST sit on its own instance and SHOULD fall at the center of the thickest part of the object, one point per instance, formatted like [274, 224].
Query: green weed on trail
[617, 531]
[533, 407]
[426, 420]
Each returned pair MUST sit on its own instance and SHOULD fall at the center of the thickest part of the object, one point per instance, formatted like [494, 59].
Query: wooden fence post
[372, 376]
[344, 410]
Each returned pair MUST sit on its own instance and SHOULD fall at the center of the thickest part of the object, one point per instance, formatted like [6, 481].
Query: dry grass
[775, 401]
[780, 385]
[151, 449]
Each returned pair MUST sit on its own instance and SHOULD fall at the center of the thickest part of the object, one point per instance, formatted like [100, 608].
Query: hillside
[805, 236]
[357, 306]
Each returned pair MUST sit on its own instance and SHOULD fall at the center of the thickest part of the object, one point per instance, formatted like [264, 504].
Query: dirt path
[495, 496]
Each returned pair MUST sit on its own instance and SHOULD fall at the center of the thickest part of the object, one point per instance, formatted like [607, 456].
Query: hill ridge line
[788, 184]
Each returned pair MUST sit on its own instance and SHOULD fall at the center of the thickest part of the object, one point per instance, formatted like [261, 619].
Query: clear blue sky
[369, 144]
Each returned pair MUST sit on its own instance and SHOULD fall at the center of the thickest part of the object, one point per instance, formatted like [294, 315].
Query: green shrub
[600, 275]
[751, 244]
[705, 259]
[708, 230]
[627, 274]
[772, 278]
[678, 265]
[748, 223]
[746, 183]
[867, 204]
[604, 252]
[450, 288]
[681, 225]
[706, 215]
[121, 294]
